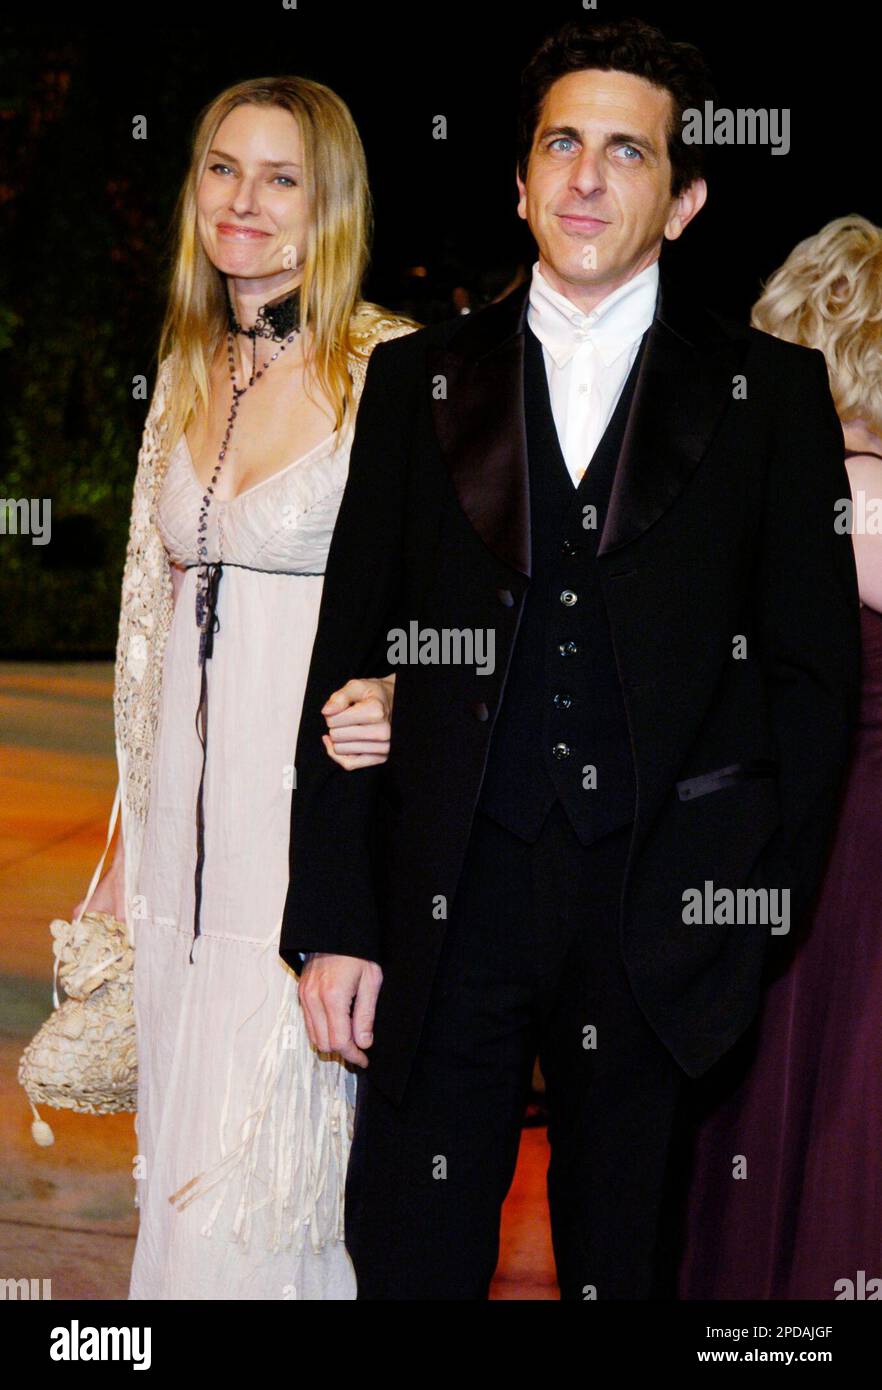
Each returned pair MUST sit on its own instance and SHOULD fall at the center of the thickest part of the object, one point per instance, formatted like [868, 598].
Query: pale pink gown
[230, 1091]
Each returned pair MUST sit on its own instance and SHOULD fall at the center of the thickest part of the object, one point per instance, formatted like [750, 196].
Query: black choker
[277, 320]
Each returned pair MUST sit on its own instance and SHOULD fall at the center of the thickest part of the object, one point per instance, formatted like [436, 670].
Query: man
[628, 504]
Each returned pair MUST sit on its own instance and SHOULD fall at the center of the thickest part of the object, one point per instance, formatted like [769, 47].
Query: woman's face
[252, 211]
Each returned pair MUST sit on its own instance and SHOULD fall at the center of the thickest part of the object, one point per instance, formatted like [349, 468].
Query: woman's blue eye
[225, 168]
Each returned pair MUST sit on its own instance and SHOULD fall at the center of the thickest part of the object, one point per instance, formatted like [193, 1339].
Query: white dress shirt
[588, 357]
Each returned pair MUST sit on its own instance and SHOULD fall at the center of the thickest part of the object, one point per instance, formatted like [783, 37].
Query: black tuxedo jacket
[720, 527]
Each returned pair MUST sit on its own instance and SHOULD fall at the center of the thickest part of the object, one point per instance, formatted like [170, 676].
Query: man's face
[597, 193]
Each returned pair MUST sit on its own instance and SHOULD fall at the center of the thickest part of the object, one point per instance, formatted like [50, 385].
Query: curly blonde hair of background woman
[336, 255]
[828, 295]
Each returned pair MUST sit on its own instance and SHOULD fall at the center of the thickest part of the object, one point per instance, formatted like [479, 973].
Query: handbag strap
[92, 886]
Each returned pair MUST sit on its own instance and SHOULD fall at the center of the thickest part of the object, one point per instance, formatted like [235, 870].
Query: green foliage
[85, 226]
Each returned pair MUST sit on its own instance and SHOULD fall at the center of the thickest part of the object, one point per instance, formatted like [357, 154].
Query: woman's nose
[246, 199]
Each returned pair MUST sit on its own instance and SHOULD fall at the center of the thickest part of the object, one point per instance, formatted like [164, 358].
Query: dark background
[85, 209]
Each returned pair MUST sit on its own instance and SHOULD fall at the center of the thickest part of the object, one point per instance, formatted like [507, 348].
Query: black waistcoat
[561, 732]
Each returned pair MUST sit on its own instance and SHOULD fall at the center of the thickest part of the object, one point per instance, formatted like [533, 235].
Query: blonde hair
[336, 253]
[828, 295]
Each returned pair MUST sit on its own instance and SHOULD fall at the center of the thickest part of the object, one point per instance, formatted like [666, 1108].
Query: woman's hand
[110, 892]
[358, 717]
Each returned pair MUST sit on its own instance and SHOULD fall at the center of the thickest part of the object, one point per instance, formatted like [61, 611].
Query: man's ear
[688, 204]
[522, 193]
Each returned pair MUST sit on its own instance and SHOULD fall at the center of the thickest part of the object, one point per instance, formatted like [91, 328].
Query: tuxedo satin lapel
[684, 384]
[480, 425]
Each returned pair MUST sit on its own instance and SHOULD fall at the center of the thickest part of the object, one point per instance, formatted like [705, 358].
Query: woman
[243, 1128]
[786, 1196]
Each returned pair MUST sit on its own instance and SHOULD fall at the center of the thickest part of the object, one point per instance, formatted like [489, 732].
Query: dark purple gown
[800, 1097]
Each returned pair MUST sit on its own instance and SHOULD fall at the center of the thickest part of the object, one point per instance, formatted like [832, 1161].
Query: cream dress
[243, 1128]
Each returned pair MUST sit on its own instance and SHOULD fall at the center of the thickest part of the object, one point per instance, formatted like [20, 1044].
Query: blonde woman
[243, 1128]
[786, 1199]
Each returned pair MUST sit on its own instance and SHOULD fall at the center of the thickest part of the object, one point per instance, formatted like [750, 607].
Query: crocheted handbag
[83, 1057]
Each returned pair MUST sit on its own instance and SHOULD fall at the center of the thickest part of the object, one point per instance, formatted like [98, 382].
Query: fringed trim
[299, 1104]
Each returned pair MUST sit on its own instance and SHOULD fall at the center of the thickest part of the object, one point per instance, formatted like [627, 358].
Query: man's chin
[576, 269]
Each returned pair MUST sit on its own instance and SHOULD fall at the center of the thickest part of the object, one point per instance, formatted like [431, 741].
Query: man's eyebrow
[264, 163]
[556, 131]
[640, 142]
[615, 137]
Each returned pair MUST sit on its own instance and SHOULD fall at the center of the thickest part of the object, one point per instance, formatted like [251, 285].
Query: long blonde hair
[336, 256]
[828, 295]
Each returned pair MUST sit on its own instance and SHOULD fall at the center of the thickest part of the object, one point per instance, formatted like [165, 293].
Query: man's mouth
[581, 222]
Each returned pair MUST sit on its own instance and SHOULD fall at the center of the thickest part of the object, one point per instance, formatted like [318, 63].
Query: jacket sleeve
[331, 904]
[809, 630]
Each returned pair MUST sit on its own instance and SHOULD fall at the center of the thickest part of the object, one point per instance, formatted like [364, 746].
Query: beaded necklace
[279, 320]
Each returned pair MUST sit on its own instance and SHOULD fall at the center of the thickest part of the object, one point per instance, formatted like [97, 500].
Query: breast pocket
[720, 777]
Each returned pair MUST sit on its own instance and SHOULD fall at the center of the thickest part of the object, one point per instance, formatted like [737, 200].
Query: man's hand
[358, 718]
[331, 986]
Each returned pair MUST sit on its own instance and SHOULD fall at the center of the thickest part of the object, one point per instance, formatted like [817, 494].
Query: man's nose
[587, 175]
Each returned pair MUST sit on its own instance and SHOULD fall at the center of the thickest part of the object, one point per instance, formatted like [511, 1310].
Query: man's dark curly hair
[628, 45]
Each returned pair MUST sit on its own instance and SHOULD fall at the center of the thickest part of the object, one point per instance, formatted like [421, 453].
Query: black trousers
[530, 965]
